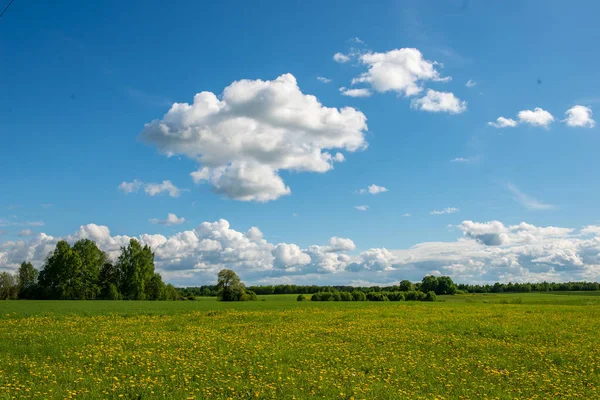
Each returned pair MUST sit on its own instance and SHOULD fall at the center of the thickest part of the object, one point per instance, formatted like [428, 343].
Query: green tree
[430, 296]
[406, 286]
[9, 288]
[429, 283]
[92, 261]
[445, 285]
[136, 269]
[230, 286]
[109, 281]
[171, 293]
[27, 280]
[155, 290]
[62, 275]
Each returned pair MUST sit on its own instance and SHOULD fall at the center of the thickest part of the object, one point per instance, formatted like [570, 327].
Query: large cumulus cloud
[254, 130]
[485, 252]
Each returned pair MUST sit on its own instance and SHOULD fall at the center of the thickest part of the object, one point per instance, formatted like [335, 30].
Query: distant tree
[136, 266]
[445, 285]
[62, 275]
[429, 283]
[155, 290]
[92, 260]
[109, 281]
[171, 293]
[27, 280]
[301, 297]
[230, 286]
[9, 288]
[406, 286]
[205, 292]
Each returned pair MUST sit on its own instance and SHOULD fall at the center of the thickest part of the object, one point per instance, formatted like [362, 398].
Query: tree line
[439, 285]
[84, 272]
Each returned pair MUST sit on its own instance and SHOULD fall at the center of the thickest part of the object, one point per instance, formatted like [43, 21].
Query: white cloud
[407, 215]
[460, 160]
[254, 130]
[355, 92]
[502, 122]
[362, 208]
[151, 189]
[486, 252]
[401, 70]
[447, 210]
[7, 222]
[537, 117]
[470, 83]
[435, 101]
[25, 232]
[172, 219]
[358, 40]
[373, 189]
[579, 116]
[528, 201]
[323, 79]
[341, 58]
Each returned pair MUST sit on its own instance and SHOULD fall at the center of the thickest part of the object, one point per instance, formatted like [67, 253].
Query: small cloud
[537, 117]
[355, 92]
[14, 206]
[460, 160]
[502, 122]
[294, 215]
[25, 232]
[435, 101]
[528, 201]
[341, 58]
[357, 40]
[447, 210]
[470, 83]
[373, 189]
[407, 215]
[172, 219]
[579, 117]
[362, 208]
[323, 79]
[151, 189]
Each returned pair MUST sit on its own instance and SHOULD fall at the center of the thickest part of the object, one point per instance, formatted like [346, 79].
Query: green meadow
[494, 346]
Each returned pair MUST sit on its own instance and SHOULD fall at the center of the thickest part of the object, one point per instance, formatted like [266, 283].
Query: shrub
[430, 296]
[396, 296]
[315, 297]
[301, 297]
[346, 296]
[357, 295]
[377, 296]
[415, 295]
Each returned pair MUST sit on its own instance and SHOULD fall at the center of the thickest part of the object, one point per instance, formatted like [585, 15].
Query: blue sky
[81, 80]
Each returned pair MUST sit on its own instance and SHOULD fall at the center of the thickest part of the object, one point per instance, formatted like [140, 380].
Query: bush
[191, 298]
[301, 297]
[430, 296]
[315, 297]
[377, 296]
[357, 295]
[346, 296]
[415, 295]
[336, 296]
[396, 296]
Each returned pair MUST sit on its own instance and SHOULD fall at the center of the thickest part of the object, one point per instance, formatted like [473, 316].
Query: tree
[171, 293]
[92, 261]
[406, 286]
[430, 296]
[136, 269]
[27, 280]
[229, 285]
[62, 275]
[109, 281]
[429, 283]
[301, 297]
[156, 288]
[9, 288]
[445, 285]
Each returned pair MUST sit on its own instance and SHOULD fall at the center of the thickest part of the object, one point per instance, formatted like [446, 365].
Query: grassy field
[501, 346]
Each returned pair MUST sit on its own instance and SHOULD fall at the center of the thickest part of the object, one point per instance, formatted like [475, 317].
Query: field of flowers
[285, 349]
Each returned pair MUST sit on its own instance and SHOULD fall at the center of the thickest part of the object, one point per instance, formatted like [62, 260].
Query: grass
[471, 346]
